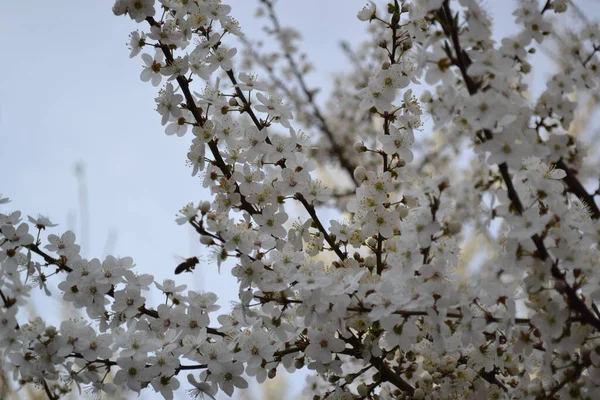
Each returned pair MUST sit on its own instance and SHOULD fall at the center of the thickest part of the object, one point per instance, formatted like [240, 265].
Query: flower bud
[512, 369]
[360, 173]
[426, 377]
[50, 332]
[350, 378]
[368, 12]
[370, 261]
[559, 6]
[204, 207]
[418, 394]
[362, 389]
[371, 242]
[360, 147]
[272, 373]
[119, 8]
[206, 240]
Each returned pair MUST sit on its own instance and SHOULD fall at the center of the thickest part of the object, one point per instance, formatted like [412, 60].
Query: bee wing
[178, 258]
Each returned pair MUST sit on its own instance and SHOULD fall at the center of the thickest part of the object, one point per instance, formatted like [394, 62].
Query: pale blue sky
[69, 93]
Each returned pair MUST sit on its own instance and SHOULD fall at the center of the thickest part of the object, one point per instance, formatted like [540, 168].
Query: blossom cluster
[379, 302]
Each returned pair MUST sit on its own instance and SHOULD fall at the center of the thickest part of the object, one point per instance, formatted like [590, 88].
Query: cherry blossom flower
[151, 71]
[221, 57]
[137, 41]
[273, 105]
[41, 222]
[322, 345]
[17, 236]
[64, 245]
[137, 10]
[228, 377]
[132, 373]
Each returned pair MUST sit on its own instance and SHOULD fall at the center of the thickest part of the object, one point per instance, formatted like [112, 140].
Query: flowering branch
[462, 61]
[398, 298]
[338, 150]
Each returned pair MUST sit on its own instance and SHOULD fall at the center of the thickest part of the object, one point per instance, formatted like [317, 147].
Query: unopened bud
[362, 389]
[350, 378]
[559, 6]
[426, 377]
[272, 373]
[371, 242]
[119, 8]
[360, 173]
[360, 147]
[206, 240]
[204, 207]
[50, 331]
[370, 261]
[368, 12]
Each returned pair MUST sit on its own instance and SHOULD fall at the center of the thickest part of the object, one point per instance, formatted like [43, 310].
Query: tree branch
[462, 61]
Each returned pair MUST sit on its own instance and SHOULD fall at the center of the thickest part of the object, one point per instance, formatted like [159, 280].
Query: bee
[187, 266]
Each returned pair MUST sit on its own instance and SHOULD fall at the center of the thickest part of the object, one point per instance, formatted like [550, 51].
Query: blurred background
[80, 141]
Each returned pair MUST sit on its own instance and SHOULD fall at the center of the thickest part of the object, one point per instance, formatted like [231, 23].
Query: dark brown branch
[47, 390]
[578, 190]
[191, 106]
[462, 61]
[311, 211]
[387, 374]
